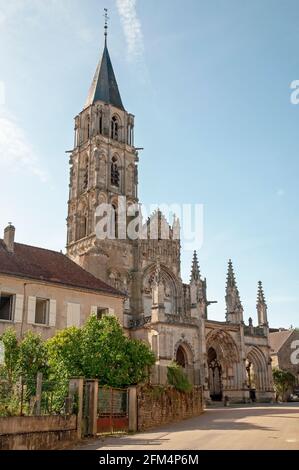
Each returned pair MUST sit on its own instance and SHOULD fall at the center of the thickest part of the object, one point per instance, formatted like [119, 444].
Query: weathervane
[106, 23]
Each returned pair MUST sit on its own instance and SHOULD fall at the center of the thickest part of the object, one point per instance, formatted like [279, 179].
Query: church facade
[230, 359]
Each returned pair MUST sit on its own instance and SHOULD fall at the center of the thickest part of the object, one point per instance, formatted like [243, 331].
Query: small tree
[100, 350]
[283, 382]
[11, 355]
[65, 353]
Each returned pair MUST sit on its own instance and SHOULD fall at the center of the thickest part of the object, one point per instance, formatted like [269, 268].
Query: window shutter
[19, 302]
[73, 315]
[76, 314]
[69, 315]
[31, 310]
[111, 312]
[52, 313]
[94, 310]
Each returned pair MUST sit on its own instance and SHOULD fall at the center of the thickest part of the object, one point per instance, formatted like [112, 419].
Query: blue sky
[209, 84]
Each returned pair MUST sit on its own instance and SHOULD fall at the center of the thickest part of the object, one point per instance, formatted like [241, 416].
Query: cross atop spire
[106, 24]
[260, 294]
[195, 271]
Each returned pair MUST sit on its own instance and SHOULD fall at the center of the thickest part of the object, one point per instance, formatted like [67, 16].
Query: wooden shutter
[19, 303]
[31, 310]
[73, 315]
[76, 314]
[69, 314]
[94, 310]
[52, 313]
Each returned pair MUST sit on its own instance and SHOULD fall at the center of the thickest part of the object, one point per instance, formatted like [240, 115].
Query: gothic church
[229, 358]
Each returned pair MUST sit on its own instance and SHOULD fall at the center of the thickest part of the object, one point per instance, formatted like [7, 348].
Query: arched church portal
[256, 372]
[181, 357]
[215, 376]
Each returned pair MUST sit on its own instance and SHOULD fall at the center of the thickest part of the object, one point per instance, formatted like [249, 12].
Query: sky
[209, 84]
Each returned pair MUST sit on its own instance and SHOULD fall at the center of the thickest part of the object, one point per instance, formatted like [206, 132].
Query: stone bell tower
[103, 167]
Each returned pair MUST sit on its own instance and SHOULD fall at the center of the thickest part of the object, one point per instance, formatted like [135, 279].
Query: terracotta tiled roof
[278, 339]
[49, 266]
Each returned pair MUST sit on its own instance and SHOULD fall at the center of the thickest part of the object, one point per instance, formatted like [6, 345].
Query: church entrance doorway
[251, 380]
[181, 358]
[215, 376]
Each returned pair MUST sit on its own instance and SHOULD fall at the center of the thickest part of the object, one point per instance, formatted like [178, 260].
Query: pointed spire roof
[195, 271]
[104, 86]
[231, 284]
[260, 294]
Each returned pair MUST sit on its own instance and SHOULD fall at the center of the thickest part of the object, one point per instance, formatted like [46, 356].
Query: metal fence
[34, 397]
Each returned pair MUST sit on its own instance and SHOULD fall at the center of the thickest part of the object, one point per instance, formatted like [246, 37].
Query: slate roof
[104, 86]
[278, 339]
[49, 266]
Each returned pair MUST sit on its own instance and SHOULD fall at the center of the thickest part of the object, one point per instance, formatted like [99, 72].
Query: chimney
[9, 237]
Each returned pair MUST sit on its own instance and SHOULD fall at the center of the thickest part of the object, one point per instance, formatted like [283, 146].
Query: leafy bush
[100, 350]
[177, 377]
[283, 382]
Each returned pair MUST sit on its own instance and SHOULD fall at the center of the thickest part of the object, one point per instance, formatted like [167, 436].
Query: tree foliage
[100, 350]
[177, 377]
[32, 357]
[283, 382]
[11, 355]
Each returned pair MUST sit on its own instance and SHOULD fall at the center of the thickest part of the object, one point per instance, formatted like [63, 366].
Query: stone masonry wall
[159, 405]
[37, 433]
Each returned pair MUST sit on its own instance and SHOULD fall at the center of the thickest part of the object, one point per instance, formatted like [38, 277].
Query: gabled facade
[284, 346]
[44, 291]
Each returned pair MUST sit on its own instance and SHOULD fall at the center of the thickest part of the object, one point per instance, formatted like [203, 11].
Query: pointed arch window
[82, 232]
[115, 128]
[181, 357]
[114, 221]
[101, 122]
[115, 177]
[85, 175]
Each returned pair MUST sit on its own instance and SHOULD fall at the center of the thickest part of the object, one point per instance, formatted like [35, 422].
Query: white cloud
[36, 12]
[16, 152]
[132, 28]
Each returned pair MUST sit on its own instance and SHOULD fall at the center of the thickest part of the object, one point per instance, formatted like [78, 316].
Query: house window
[102, 312]
[6, 307]
[42, 312]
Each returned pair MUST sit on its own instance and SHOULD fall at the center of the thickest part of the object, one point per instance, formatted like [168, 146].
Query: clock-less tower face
[103, 167]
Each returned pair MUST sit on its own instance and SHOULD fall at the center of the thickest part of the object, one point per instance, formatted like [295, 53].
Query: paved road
[259, 427]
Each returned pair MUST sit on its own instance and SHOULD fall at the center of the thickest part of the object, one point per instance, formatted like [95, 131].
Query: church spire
[234, 309]
[261, 306]
[104, 85]
[195, 271]
[230, 278]
[260, 294]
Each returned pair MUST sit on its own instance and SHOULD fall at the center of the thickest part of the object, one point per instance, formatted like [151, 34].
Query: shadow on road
[221, 419]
